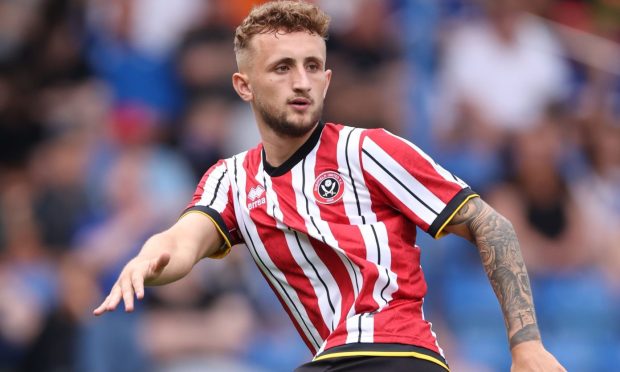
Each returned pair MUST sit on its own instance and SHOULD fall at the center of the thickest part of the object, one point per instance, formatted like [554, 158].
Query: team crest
[328, 187]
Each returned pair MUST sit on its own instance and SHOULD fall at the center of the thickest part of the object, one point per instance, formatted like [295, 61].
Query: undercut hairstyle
[281, 16]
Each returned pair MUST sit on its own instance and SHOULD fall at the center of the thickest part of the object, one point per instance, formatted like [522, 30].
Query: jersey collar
[296, 157]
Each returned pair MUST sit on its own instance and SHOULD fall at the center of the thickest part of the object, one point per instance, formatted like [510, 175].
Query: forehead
[297, 45]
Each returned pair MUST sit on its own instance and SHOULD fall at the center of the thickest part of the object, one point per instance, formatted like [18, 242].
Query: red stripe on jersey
[280, 254]
[411, 284]
[287, 201]
[404, 324]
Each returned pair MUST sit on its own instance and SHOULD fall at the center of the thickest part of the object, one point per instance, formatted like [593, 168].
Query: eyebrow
[291, 61]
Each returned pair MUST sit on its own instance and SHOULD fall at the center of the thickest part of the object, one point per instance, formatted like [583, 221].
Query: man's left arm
[501, 257]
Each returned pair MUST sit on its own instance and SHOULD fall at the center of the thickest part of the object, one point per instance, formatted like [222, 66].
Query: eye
[281, 68]
[313, 67]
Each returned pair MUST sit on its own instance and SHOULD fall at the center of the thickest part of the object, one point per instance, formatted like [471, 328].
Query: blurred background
[111, 110]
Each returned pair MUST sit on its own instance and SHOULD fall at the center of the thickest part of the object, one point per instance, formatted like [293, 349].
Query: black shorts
[376, 357]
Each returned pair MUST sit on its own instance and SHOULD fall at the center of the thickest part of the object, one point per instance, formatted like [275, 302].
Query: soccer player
[329, 214]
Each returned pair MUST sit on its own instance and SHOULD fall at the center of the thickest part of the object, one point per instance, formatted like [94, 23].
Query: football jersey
[333, 231]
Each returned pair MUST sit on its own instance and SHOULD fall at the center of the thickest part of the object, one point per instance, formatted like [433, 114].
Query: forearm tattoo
[501, 257]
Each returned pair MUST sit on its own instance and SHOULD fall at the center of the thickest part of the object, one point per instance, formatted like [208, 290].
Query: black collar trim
[296, 157]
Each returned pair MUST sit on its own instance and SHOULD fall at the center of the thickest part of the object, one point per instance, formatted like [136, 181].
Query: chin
[290, 124]
[305, 125]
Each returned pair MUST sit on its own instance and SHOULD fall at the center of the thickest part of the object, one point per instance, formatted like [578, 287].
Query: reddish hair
[287, 16]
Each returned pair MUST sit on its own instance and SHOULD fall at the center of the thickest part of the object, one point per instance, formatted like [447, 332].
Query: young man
[329, 214]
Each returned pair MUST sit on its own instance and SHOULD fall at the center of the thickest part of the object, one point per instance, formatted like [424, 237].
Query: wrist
[528, 333]
[526, 347]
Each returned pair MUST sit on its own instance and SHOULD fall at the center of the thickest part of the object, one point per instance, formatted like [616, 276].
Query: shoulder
[381, 136]
[365, 137]
[331, 129]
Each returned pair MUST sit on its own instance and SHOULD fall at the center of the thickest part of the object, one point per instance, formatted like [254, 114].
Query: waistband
[382, 350]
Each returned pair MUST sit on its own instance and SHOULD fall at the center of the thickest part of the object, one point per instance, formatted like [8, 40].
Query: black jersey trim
[220, 225]
[383, 350]
[296, 157]
[449, 211]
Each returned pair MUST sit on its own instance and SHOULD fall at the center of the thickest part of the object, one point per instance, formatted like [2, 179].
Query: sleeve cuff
[436, 228]
[220, 226]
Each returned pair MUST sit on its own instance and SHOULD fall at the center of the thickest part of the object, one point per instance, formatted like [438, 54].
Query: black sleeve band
[448, 212]
[216, 217]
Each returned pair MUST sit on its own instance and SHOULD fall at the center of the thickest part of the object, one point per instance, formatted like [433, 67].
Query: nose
[301, 80]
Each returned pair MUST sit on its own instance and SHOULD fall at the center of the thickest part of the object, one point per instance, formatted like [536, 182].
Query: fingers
[124, 291]
[101, 309]
[137, 281]
[131, 283]
[110, 302]
[128, 293]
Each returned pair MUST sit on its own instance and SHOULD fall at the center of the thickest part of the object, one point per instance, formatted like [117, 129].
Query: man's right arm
[164, 258]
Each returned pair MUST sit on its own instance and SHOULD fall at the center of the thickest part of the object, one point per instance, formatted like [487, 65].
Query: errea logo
[256, 192]
[255, 195]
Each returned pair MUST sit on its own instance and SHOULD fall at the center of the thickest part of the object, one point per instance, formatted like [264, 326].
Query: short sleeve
[411, 181]
[213, 198]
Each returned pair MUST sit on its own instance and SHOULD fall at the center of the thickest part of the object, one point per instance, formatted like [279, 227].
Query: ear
[241, 83]
[328, 77]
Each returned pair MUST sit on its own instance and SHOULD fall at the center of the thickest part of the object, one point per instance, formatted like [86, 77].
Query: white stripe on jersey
[264, 262]
[386, 283]
[357, 204]
[350, 202]
[360, 328]
[401, 183]
[325, 286]
[302, 180]
[215, 188]
[350, 169]
[441, 170]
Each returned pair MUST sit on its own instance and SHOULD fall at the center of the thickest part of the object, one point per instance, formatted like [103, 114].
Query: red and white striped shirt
[333, 231]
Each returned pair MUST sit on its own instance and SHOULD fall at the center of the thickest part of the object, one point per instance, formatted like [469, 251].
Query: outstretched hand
[130, 282]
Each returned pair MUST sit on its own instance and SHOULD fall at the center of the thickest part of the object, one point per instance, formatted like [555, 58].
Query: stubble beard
[278, 122]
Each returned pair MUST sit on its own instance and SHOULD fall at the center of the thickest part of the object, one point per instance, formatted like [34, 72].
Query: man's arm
[501, 257]
[164, 258]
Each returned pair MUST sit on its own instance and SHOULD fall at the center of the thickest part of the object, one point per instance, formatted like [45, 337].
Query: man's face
[288, 81]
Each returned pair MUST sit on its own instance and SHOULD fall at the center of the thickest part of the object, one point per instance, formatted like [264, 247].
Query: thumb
[160, 263]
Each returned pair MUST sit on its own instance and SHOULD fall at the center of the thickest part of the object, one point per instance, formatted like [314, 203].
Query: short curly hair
[287, 16]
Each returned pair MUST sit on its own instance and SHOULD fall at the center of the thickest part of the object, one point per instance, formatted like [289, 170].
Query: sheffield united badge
[328, 187]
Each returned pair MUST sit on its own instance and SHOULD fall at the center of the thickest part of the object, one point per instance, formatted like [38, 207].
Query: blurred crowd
[111, 110]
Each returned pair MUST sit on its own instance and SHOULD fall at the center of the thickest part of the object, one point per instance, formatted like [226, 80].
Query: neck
[280, 148]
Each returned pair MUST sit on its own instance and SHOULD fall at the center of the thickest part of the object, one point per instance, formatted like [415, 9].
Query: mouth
[300, 103]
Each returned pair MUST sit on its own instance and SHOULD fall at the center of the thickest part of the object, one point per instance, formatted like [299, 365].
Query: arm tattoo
[501, 257]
